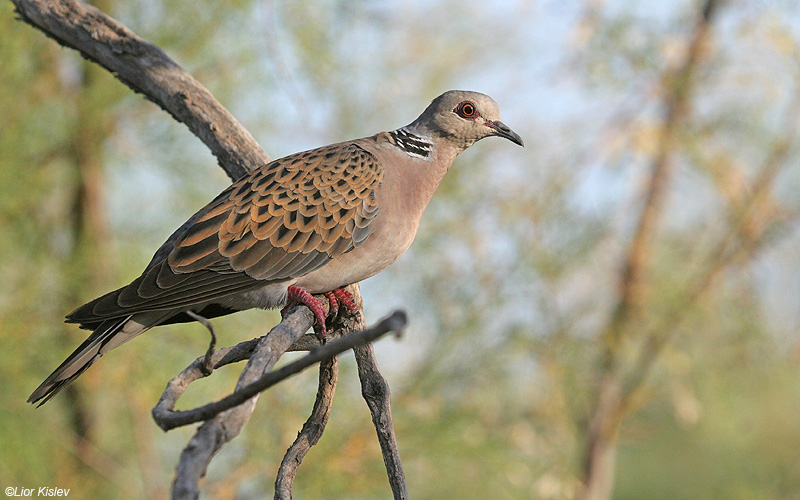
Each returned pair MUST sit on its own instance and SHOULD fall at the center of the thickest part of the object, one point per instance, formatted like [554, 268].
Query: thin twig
[208, 365]
[376, 393]
[312, 430]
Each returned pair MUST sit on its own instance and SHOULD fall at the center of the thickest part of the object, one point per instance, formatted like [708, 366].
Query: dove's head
[462, 118]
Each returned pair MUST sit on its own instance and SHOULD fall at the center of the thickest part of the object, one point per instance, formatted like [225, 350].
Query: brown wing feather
[283, 221]
[316, 202]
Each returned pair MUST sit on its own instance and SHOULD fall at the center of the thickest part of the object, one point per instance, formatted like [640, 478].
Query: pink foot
[345, 298]
[334, 304]
[300, 296]
[336, 298]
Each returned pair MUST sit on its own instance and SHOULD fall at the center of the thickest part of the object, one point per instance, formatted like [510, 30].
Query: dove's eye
[466, 110]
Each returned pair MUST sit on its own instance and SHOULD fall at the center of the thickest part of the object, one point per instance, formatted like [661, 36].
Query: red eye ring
[467, 110]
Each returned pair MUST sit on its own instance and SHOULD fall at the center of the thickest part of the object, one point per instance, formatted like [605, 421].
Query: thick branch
[146, 69]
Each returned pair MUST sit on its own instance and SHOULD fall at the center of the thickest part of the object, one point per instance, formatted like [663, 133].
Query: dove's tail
[108, 335]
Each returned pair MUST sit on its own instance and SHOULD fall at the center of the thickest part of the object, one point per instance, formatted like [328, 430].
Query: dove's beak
[500, 129]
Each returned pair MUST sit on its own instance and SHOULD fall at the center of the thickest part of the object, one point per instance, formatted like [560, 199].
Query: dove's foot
[336, 298]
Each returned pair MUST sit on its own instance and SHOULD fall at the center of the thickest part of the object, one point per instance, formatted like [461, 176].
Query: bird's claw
[344, 298]
[339, 298]
[336, 299]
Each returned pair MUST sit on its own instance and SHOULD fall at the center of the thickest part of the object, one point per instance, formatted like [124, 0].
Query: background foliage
[511, 284]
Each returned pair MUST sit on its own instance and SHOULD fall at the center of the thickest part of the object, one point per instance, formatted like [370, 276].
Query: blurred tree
[513, 278]
[57, 253]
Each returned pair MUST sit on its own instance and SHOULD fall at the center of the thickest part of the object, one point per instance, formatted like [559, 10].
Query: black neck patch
[411, 143]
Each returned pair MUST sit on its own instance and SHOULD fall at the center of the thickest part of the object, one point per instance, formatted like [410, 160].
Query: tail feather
[108, 335]
[49, 389]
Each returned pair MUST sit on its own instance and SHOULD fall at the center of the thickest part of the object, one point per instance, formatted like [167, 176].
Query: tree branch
[214, 433]
[146, 69]
[312, 430]
[168, 419]
[376, 392]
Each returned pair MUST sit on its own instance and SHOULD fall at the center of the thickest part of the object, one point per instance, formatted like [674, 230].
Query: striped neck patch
[412, 143]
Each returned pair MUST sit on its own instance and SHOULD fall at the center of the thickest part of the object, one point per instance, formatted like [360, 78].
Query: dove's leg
[335, 297]
[338, 298]
[299, 295]
[345, 298]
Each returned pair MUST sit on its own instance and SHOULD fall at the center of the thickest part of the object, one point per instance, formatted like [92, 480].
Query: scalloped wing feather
[283, 221]
[318, 201]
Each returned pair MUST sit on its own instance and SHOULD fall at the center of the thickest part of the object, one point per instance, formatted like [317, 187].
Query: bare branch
[312, 430]
[146, 69]
[168, 419]
[376, 392]
[214, 433]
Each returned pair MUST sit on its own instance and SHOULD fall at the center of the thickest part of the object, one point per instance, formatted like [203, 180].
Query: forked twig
[169, 419]
[207, 366]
